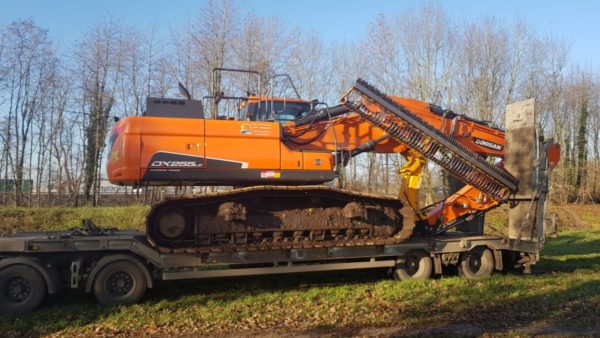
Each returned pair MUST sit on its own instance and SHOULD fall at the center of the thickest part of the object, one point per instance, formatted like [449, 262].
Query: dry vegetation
[561, 297]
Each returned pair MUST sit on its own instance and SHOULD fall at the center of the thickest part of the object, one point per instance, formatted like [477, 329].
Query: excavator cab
[273, 109]
[264, 106]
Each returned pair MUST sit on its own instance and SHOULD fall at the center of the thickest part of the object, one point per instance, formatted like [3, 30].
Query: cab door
[242, 149]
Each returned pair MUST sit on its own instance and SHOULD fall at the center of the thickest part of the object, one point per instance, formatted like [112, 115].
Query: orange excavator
[278, 152]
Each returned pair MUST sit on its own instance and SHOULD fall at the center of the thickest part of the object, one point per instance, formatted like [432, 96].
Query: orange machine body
[169, 151]
[184, 151]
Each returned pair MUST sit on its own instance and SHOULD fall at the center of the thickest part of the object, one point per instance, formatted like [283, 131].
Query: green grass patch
[62, 218]
[563, 291]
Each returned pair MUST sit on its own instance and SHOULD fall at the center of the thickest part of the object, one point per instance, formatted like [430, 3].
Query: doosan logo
[487, 144]
[177, 164]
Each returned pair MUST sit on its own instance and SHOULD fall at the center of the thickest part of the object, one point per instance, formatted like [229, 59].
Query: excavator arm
[487, 185]
[370, 121]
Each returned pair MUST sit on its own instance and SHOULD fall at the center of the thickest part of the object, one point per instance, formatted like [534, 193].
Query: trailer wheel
[119, 283]
[22, 289]
[415, 265]
[477, 263]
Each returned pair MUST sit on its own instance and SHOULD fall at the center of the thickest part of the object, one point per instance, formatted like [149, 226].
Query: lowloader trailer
[118, 266]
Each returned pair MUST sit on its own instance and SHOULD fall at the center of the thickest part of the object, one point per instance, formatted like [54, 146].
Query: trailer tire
[477, 263]
[415, 265]
[22, 289]
[119, 283]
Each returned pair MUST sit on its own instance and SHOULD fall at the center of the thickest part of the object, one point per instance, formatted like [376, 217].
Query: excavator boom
[418, 135]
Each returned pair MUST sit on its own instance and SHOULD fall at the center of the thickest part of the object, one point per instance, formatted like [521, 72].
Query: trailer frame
[74, 260]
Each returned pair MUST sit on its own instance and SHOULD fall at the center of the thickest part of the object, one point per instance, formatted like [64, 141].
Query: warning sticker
[270, 174]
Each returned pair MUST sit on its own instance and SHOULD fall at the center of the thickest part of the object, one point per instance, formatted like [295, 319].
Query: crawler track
[277, 217]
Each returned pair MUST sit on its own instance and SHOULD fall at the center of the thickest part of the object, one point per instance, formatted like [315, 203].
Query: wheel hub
[120, 283]
[411, 265]
[475, 263]
[17, 289]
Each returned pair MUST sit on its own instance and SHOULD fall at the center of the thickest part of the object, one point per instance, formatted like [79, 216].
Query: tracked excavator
[278, 152]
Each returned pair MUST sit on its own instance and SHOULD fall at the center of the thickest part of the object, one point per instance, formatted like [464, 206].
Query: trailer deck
[136, 243]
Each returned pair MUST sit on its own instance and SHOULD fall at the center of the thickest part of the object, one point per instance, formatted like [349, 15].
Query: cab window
[275, 111]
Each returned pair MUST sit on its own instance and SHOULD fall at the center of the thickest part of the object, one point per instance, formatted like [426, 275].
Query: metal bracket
[75, 265]
[498, 260]
[465, 244]
[437, 264]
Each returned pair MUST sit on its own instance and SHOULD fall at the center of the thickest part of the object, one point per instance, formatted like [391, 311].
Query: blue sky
[578, 21]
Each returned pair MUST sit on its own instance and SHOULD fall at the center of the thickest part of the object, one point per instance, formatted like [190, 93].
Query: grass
[61, 218]
[562, 294]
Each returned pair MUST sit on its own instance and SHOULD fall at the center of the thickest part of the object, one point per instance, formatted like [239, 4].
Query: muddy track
[277, 217]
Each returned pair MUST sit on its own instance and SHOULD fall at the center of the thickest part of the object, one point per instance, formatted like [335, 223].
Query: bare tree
[100, 58]
[474, 67]
[28, 63]
[311, 65]
[428, 39]
[265, 45]
[484, 69]
[211, 39]
[142, 70]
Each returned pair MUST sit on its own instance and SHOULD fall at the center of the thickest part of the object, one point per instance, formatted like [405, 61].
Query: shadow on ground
[572, 312]
[569, 253]
[75, 309]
